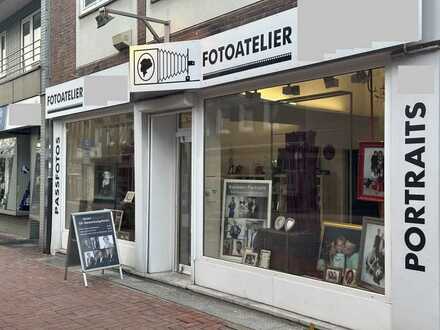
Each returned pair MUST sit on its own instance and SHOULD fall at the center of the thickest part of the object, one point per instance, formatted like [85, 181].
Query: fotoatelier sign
[258, 48]
[92, 242]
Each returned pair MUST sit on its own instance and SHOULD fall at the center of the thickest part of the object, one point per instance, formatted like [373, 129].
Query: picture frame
[371, 272]
[333, 275]
[349, 278]
[340, 246]
[264, 260]
[105, 182]
[250, 258]
[129, 197]
[118, 215]
[370, 179]
[246, 209]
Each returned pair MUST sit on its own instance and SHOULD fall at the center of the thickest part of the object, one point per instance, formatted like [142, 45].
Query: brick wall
[63, 34]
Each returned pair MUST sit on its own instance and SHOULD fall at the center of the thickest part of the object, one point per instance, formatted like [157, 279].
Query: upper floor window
[31, 40]
[91, 5]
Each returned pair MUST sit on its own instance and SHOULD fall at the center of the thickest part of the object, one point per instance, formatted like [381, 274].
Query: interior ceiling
[9, 7]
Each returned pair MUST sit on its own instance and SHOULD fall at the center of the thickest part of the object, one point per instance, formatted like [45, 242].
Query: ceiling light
[331, 82]
[291, 90]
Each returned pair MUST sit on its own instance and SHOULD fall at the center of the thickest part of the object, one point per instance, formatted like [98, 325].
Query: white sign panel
[65, 96]
[413, 146]
[169, 66]
[262, 47]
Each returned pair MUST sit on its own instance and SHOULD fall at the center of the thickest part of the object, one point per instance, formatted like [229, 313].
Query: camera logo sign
[146, 67]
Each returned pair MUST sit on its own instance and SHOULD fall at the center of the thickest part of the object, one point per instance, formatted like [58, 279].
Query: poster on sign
[92, 242]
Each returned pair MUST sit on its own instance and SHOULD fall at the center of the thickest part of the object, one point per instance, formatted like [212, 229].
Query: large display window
[294, 179]
[100, 169]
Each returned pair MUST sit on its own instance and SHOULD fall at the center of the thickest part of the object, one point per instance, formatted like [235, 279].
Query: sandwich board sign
[92, 243]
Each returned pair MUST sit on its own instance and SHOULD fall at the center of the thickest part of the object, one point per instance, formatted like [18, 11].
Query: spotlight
[103, 18]
[331, 82]
[360, 77]
[291, 90]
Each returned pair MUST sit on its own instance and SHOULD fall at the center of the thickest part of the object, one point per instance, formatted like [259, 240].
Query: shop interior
[318, 148]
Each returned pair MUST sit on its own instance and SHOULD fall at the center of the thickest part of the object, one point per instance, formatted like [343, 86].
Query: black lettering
[422, 239]
[287, 33]
[412, 262]
[410, 128]
[213, 56]
[414, 180]
[240, 50]
[230, 52]
[247, 43]
[413, 197]
[414, 216]
[413, 113]
[255, 44]
[263, 46]
[415, 157]
[221, 50]
[419, 140]
[277, 38]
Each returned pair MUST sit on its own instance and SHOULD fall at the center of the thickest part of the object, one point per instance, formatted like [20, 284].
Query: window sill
[94, 8]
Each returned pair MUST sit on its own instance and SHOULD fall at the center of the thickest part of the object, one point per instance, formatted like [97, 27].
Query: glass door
[184, 194]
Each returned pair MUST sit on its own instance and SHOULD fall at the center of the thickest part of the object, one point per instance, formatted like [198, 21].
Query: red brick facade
[63, 34]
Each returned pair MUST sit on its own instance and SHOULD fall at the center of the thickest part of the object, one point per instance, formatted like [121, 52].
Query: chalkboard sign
[92, 242]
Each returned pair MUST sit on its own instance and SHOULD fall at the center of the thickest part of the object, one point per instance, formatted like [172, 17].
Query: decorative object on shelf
[290, 223]
[340, 245]
[371, 171]
[118, 215]
[246, 210]
[372, 262]
[129, 196]
[250, 258]
[349, 278]
[259, 169]
[238, 169]
[231, 169]
[279, 222]
[333, 275]
[265, 258]
[329, 152]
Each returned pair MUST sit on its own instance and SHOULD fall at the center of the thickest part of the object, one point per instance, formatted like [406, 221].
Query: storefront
[268, 181]
[19, 167]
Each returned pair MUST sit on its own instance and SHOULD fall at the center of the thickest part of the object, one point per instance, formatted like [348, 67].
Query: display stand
[92, 243]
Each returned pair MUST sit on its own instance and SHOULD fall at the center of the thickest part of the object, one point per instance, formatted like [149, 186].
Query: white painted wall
[94, 44]
[187, 13]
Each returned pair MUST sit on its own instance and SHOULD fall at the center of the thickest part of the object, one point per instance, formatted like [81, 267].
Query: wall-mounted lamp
[291, 90]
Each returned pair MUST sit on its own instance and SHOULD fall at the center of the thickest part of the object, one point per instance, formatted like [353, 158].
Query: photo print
[371, 171]
[372, 263]
[246, 210]
[340, 246]
[106, 242]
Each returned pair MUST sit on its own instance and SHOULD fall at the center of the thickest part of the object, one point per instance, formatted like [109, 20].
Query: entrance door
[184, 203]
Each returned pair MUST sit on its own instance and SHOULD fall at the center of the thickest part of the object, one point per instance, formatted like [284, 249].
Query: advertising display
[96, 246]
[246, 209]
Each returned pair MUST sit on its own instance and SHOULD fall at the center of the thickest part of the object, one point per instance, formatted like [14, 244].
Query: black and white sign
[165, 66]
[96, 245]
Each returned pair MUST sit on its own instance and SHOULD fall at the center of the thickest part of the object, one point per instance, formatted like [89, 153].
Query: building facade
[20, 92]
[268, 160]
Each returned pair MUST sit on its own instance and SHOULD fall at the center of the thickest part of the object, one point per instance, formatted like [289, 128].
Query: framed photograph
[265, 259]
[105, 182]
[340, 245]
[349, 278]
[370, 185]
[117, 218]
[129, 197]
[371, 273]
[333, 275]
[250, 258]
[246, 210]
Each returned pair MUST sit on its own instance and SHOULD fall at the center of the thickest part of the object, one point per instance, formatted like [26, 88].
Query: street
[35, 296]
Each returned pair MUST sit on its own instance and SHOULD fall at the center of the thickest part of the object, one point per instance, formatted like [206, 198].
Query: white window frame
[29, 18]
[3, 61]
[83, 9]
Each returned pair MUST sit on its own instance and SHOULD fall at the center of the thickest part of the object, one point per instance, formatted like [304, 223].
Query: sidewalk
[34, 295]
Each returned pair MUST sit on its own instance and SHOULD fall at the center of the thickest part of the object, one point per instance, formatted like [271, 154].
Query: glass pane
[7, 159]
[185, 204]
[294, 179]
[100, 168]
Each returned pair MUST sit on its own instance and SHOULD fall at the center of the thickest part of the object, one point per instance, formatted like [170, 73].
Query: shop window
[294, 179]
[100, 169]
[8, 158]
[88, 6]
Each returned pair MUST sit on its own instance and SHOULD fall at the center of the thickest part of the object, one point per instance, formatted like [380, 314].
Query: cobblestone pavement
[34, 295]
